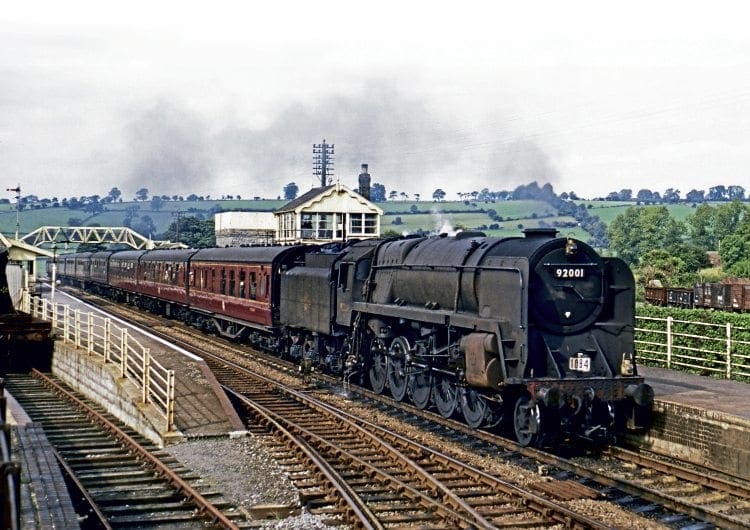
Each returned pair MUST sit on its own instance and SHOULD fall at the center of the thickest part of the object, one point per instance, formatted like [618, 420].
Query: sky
[227, 98]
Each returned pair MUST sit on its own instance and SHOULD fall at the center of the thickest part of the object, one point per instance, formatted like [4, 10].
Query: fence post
[77, 327]
[107, 338]
[45, 303]
[146, 380]
[66, 324]
[90, 334]
[669, 342]
[729, 350]
[170, 399]
[123, 352]
[54, 316]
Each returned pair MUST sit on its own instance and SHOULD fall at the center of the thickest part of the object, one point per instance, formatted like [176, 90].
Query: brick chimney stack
[364, 183]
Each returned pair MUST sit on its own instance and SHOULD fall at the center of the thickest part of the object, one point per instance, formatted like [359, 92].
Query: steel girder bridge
[94, 234]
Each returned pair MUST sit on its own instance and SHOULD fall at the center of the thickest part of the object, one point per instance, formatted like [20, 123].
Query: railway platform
[201, 408]
[45, 501]
[699, 418]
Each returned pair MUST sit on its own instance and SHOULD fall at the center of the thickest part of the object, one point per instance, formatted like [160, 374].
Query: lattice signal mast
[323, 161]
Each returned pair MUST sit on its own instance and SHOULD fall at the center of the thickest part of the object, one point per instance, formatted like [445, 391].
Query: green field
[415, 215]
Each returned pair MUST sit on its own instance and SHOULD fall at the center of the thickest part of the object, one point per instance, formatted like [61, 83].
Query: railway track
[671, 493]
[123, 480]
[396, 481]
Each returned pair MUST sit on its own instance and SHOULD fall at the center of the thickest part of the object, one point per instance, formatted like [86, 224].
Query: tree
[735, 248]
[736, 193]
[438, 195]
[639, 230]
[393, 195]
[290, 191]
[114, 194]
[695, 195]
[717, 193]
[377, 192]
[145, 226]
[671, 196]
[645, 195]
[157, 203]
[141, 194]
[194, 232]
[701, 225]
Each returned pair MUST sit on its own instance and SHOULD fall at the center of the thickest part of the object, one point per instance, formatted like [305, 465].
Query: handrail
[94, 334]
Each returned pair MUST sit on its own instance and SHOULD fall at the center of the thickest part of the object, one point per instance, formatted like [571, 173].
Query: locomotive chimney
[364, 183]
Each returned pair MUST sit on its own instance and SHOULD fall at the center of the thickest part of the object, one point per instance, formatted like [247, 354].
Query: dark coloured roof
[291, 206]
[242, 254]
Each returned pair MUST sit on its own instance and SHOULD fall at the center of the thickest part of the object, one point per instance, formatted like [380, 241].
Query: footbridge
[94, 234]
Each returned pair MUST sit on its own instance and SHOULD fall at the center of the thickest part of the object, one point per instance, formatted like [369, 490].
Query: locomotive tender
[533, 333]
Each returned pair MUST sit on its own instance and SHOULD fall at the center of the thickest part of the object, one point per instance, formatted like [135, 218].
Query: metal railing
[94, 334]
[710, 349]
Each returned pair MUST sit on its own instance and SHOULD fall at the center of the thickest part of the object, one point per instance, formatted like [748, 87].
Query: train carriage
[100, 267]
[237, 289]
[124, 274]
[162, 281]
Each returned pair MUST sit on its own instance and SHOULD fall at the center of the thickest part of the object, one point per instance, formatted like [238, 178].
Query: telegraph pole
[17, 189]
[178, 213]
[323, 161]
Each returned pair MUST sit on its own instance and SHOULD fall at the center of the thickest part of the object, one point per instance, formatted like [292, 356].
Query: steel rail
[203, 505]
[362, 516]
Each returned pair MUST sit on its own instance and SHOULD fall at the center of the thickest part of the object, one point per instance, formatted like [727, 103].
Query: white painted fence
[711, 349]
[94, 334]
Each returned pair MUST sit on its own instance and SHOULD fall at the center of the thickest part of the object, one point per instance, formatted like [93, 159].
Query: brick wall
[704, 437]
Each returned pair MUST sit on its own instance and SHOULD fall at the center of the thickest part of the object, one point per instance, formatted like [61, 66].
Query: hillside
[510, 217]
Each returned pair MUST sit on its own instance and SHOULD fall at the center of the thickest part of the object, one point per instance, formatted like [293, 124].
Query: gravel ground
[247, 475]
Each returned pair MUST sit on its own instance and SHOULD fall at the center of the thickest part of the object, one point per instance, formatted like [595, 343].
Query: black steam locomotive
[533, 333]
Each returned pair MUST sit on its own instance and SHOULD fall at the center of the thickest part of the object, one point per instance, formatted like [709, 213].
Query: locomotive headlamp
[571, 247]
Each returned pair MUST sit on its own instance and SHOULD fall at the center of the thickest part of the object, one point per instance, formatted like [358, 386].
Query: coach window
[252, 285]
[242, 284]
[263, 284]
[231, 282]
[223, 285]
